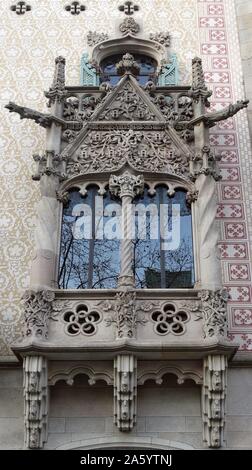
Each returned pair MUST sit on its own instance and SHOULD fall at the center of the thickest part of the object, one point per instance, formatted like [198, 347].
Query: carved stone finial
[127, 65]
[57, 90]
[163, 38]
[126, 185]
[199, 89]
[129, 26]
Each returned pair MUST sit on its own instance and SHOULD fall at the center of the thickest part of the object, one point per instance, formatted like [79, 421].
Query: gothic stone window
[147, 69]
[162, 254]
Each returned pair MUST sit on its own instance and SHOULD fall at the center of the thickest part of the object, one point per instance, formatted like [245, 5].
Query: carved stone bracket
[36, 401]
[125, 392]
[213, 312]
[57, 91]
[213, 399]
[39, 308]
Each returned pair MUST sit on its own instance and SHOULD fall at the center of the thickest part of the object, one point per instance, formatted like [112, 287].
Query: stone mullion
[126, 272]
[126, 186]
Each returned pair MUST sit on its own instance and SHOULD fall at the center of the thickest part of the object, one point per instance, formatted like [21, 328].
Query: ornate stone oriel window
[147, 69]
[89, 255]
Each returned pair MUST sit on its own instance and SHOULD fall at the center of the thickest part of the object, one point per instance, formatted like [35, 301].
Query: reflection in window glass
[85, 261]
[167, 260]
[147, 69]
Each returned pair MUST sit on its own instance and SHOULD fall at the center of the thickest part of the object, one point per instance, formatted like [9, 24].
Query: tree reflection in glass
[87, 262]
[154, 266]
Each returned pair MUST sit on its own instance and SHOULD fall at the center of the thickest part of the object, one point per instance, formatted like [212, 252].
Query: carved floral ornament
[144, 151]
[39, 308]
[129, 26]
[214, 312]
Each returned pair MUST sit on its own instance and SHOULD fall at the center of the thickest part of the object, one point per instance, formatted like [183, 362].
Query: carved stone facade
[126, 140]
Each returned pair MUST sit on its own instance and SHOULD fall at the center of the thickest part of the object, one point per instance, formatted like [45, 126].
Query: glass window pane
[147, 69]
[163, 253]
[87, 261]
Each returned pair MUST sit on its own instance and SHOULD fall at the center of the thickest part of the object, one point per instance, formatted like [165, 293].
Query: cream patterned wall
[30, 43]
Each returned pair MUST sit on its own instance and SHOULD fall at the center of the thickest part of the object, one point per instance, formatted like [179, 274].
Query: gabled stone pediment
[128, 102]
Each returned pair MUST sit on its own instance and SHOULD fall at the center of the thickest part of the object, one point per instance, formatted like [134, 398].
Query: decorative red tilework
[239, 271]
[217, 35]
[231, 192]
[242, 316]
[235, 230]
[233, 250]
[230, 211]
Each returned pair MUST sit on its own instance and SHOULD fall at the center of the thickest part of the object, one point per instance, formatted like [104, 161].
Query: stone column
[43, 270]
[43, 273]
[35, 401]
[126, 186]
[125, 391]
[213, 400]
[205, 174]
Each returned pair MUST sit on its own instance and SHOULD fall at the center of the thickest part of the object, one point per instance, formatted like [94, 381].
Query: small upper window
[147, 70]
